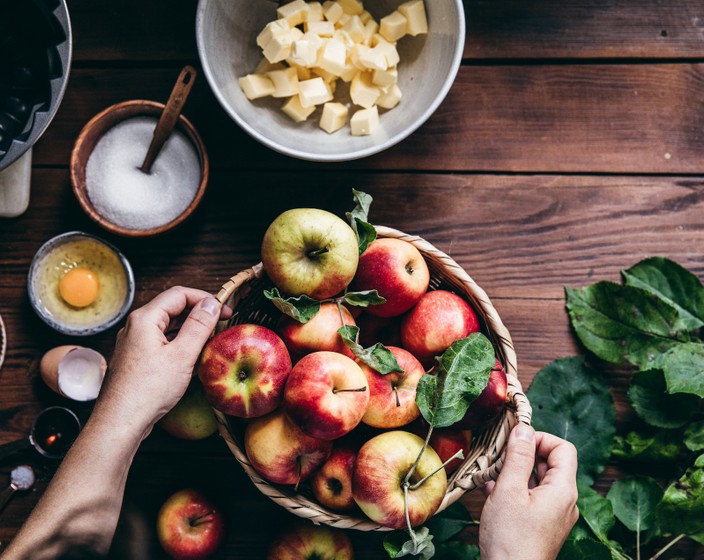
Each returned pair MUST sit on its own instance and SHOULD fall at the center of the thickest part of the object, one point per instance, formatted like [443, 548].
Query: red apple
[381, 467]
[397, 270]
[305, 541]
[280, 451]
[490, 402]
[332, 484]
[373, 329]
[320, 333]
[326, 395]
[448, 441]
[310, 251]
[243, 370]
[437, 320]
[392, 397]
[189, 526]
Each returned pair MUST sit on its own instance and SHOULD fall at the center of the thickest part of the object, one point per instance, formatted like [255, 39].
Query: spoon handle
[169, 116]
[5, 496]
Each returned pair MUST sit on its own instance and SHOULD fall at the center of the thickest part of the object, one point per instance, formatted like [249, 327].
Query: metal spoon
[21, 478]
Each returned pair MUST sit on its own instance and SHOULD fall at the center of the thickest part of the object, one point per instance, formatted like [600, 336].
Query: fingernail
[523, 432]
[211, 306]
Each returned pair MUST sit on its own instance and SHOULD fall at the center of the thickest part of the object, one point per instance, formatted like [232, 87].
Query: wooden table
[571, 146]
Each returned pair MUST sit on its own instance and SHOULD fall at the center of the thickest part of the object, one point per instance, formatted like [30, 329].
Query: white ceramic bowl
[226, 32]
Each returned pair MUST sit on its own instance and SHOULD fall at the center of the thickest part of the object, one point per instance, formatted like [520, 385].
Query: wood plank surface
[125, 29]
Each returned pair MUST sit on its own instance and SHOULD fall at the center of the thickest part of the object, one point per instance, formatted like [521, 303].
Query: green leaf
[597, 511]
[359, 218]
[634, 500]
[584, 549]
[624, 324]
[449, 522]
[573, 402]
[683, 366]
[672, 283]
[661, 447]
[398, 544]
[456, 551]
[681, 509]
[377, 357]
[301, 308]
[363, 299]
[694, 436]
[649, 397]
[462, 374]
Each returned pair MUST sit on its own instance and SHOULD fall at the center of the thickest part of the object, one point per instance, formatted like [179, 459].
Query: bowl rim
[352, 155]
[56, 241]
[82, 196]
[3, 341]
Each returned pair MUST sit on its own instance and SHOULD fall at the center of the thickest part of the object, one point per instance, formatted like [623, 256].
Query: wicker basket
[485, 457]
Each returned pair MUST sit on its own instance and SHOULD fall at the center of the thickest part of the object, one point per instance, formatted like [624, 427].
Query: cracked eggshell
[74, 372]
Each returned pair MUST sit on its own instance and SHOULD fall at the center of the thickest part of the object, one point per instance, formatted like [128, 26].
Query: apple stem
[411, 532]
[300, 470]
[318, 252]
[360, 390]
[458, 455]
[197, 521]
[398, 401]
[422, 450]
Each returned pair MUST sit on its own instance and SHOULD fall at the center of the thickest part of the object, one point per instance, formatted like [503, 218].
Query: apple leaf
[624, 323]
[683, 366]
[377, 357]
[634, 499]
[359, 217]
[301, 308]
[573, 402]
[597, 511]
[681, 509]
[363, 299]
[661, 447]
[649, 397]
[456, 551]
[398, 544]
[694, 436]
[450, 522]
[584, 549]
[673, 283]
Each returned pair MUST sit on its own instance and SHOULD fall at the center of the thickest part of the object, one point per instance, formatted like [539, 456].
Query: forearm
[81, 506]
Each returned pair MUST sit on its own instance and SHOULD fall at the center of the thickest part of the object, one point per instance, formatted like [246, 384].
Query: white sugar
[126, 196]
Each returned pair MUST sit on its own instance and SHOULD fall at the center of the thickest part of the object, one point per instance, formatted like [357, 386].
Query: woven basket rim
[485, 460]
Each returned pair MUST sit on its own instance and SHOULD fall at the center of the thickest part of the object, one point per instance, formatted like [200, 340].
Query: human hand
[148, 372]
[528, 515]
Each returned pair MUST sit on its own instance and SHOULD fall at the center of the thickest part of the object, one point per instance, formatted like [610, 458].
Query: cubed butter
[355, 29]
[391, 98]
[296, 111]
[279, 48]
[271, 30]
[385, 78]
[285, 82]
[321, 28]
[302, 72]
[373, 59]
[334, 117]
[390, 52]
[314, 92]
[351, 7]
[349, 72]
[315, 12]
[333, 57]
[255, 86]
[362, 91]
[265, 66]
[332, 11]
[370, 29]
[414, 12]
[393, 26]
[327, 77]
[304, 52]
[295, 13]
[364, 121]
[366, 17]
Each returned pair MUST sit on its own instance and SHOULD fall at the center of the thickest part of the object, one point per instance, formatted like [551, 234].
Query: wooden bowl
[93, 132]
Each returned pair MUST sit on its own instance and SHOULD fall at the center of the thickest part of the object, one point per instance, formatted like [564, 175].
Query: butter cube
[351, 7]
[265, 66]
[366, 17]
[344, 18]
[391, 98]
[304, 52]
[390, 53]
[271, 30]
[370, 29]
[314, 92]
[349, 72]
[321, 28]
[285, 82]
[255, 86]
[332, 11]
[296, 111]
[385, 78]
[302, 72]
[334, 117]
[327, 77]
[414, 12]
[333, 57]
[279, 48]
[363, 92]
[354, 28]
[294, 13]
[393, 26]
[364, 121]
[373, 59]
[315, 12]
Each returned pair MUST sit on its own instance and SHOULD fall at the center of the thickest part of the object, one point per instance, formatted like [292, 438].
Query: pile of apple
[319, 405]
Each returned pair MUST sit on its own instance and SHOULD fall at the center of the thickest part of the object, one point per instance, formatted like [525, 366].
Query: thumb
[196, 329]
[520, 458]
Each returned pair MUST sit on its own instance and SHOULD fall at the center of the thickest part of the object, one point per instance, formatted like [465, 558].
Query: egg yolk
[79, 287]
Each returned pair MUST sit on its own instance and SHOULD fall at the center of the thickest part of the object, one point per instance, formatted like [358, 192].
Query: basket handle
[237, 281]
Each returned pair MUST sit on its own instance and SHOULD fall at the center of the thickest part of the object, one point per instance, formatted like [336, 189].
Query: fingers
[167, 305]
[520, 458]
[488, 488]
[560, 458]
[197, 327]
